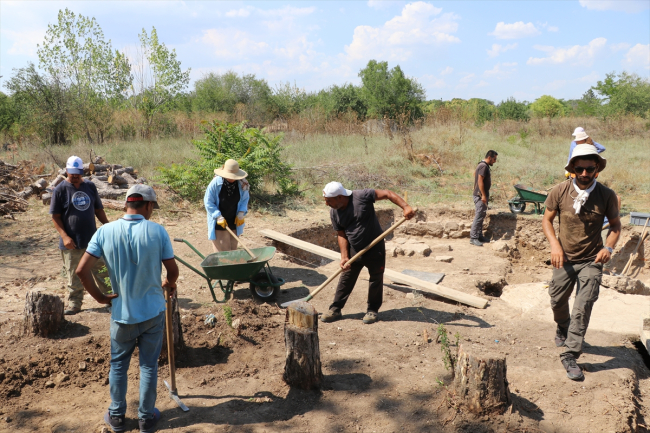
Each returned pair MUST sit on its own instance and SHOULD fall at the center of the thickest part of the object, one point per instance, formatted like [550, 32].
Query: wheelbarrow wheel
[264, 292]
[517, 207]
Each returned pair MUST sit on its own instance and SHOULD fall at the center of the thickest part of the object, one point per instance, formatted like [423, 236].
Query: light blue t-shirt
[133, 249]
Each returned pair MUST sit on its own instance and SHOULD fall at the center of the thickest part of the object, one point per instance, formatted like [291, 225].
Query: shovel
[356, 256]
[253, 257]
[170, 350]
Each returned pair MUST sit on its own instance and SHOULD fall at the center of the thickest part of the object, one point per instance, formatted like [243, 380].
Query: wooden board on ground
[398, 277]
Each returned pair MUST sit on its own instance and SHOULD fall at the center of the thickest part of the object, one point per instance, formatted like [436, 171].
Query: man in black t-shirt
[355, 221]
[482, 183]
[74, 206]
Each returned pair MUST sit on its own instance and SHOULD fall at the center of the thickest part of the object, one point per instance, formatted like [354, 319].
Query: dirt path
[378, 378]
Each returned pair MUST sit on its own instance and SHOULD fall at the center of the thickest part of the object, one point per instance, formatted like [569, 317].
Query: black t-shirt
[228, 202]
[358, 220]
[484, 170]
[77, 209]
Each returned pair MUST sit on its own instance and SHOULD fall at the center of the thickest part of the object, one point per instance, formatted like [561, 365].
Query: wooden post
[302, 368]
[480, 381]
[179, 343]
[43, 314]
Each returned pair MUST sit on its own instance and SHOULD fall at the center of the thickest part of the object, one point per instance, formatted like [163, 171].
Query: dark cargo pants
[375, 261]
[479, 216]
[588, 276]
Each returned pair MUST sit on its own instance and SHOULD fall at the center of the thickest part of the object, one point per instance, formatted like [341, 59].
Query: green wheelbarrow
[527, 195]
[233, 266]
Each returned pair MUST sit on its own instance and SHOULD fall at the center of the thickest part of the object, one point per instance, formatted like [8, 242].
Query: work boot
[370, 317]
[573, 372]
[475, 242]
[116, 423]
[149, 425]
[71, 311]
[483, 239]
[560, 336]
[331, 316]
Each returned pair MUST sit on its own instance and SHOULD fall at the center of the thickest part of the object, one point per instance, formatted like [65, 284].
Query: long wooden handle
[170, 338]
[633, 255]
[240, 242]
[357, 255]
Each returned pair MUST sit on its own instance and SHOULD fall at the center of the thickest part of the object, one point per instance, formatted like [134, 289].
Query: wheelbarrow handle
[189, 245]
[179, 240]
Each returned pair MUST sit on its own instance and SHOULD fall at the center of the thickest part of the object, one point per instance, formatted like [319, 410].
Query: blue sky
[486, 49]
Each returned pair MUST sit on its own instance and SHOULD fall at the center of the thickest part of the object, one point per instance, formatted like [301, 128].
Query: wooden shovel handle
[170, 339]
[359, 254]
[240, 242]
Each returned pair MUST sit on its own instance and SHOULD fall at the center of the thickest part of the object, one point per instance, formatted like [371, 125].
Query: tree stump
[302, 368]
[179, 343]
[480, 381]
[43, 314]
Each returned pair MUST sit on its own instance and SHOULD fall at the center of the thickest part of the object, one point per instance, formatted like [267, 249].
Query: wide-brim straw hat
[584, 150]
[230, 170]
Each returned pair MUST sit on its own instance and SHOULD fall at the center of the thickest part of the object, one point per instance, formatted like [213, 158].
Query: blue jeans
[148, 337]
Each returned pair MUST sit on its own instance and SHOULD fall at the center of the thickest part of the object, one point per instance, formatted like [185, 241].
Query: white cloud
[639, 55]
[630, 6]
[448, 70]
[516, 30]
[499, 49]
[591, 78]
[287, 11]
[553, 28]
[578, 54]
[24, 42]
[432, 82]
[619, 47]
[240, 13]
[398, 38]
[501, 70]
[464, 82]
[555, 85]
[232, 44]
[481, 83]
[382, 4]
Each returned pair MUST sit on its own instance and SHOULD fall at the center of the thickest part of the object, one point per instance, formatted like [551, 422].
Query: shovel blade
[286, 304]
[174, 396]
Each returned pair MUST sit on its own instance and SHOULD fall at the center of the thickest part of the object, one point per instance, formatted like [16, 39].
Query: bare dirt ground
[378, 378]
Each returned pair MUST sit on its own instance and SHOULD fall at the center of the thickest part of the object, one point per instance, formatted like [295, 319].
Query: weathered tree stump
[43, 314]
[302, 368]
[480, 381]
[179, 342]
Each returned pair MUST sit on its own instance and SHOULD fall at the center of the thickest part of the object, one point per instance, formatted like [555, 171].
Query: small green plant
[440, 382]
[448, 358]
[227, 313]
[107, 280]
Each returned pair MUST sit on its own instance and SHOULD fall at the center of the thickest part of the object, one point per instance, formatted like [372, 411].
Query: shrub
[258, 154]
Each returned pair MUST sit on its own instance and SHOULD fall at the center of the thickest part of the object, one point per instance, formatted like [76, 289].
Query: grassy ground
[434, 164]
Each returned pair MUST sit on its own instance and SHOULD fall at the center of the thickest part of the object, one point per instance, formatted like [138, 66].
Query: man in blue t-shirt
[74, 206]
[135, 250]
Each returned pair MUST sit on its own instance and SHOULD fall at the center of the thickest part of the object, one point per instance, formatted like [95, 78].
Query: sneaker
[370, 317]
[573, 372]
[116, 423]
[71, 311]
[483, 239]
[475, 242]
[331, 316]
[560, 336]
[149, 425]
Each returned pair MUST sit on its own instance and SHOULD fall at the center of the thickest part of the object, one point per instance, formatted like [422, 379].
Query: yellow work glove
[567, 174]
[221, 221]
[239, 219]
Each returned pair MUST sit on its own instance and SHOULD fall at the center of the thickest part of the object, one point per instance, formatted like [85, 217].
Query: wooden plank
[397, 277]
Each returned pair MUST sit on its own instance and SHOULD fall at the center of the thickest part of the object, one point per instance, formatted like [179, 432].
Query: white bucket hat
[335, 189]
[578, 129]
[230, 170]
[584, 150]
[581, 135]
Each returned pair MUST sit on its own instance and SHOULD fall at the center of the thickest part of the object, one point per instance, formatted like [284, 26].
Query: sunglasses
[589, 170]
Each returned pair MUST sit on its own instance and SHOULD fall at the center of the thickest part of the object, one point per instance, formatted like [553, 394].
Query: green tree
[75, 53]
[589, 104]
[389, 92]
[482, 110]
[258, 153]
[7, 113]
[547, 106]
[342, 99]
[157, 78]
[511, 109]
[624, 94]
[41, 104]
[288, 99]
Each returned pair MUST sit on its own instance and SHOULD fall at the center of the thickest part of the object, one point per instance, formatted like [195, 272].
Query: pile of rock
[412, 248]
[444, 230]
[112, 180]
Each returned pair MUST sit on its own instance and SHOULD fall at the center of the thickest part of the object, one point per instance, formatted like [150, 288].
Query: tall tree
[75, 54]
[390, 92]
[157, 77]
[624, 94]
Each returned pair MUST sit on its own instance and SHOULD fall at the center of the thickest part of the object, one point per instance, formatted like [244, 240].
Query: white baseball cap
[335, 189]
[147, 193]
[74, 165]
[578, 129]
